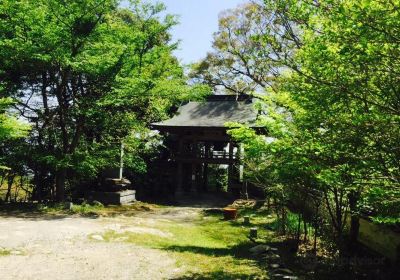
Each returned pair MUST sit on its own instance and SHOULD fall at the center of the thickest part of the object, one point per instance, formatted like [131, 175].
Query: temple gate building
[196, 139]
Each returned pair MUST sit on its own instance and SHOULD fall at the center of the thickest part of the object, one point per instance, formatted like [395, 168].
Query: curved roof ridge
[211, 113]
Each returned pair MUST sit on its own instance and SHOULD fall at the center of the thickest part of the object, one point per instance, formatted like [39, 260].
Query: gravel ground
[60, 247]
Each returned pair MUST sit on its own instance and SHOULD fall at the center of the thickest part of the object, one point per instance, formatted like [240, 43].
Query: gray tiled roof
[211, 114]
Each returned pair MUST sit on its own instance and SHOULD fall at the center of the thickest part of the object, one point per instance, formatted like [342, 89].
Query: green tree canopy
[87, 74]
[250, 49]
[10, 127]
[332, 114]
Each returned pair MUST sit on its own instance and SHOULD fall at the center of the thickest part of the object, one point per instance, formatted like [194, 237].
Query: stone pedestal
[116, 198]
[115, 185]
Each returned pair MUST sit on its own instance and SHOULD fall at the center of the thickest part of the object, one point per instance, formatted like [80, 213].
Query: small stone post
[253, 232]
[121, 163]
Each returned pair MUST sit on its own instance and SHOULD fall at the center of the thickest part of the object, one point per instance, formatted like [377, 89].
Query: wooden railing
[211, 155]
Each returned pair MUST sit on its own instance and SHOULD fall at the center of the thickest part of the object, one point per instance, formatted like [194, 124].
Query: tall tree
[86, 74]
[250, 49]
[349, 86]
[333, 114]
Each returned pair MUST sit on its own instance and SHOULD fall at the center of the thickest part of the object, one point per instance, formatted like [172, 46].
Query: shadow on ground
[28, 211]
[216, 275]
[363, 265]
[237, 251]
[57, 211]
[195, 200]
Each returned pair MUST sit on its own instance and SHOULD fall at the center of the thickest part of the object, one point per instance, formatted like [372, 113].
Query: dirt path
[69, 247]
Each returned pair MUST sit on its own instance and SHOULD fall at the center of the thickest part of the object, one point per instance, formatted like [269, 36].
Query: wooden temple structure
[196, 137]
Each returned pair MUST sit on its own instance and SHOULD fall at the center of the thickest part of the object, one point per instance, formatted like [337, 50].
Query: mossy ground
[84, 209]
[4, 252]
[206, 248]
[204, 245]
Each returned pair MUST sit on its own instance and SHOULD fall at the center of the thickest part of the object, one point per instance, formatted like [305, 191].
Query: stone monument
[114, 189]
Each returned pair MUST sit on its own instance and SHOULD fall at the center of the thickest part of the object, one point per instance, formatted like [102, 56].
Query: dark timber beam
[179, 173]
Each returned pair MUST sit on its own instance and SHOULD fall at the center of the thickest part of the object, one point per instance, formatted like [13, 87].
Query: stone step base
[117, 198]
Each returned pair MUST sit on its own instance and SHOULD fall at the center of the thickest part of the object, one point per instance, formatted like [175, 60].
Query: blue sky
[198, 21]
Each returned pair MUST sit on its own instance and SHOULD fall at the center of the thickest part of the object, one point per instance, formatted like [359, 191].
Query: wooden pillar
[230, 167]
[205, 166]
[240, 155]
[193, 178]
[205, 176]
[230, 150]
[179, 173]
[207, 150]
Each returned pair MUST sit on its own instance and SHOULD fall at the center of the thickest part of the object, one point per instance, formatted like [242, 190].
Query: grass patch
[4, 252]
[208, 249]
[85, 209]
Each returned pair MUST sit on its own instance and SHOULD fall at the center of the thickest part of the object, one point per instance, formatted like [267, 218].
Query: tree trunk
[305, 231]
[39, 182]
[315, 239]
[355, 220]
[10, 181]
[283, 220]
[60, 185]
[316, 226]
[298, 234]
